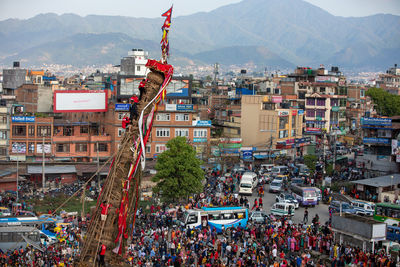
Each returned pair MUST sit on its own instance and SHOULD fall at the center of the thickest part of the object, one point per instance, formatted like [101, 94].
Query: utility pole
[43, 175]
[334, 151]
[17, 176]
[98, 165]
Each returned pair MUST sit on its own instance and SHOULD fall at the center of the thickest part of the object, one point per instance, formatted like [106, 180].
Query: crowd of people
[158, 240]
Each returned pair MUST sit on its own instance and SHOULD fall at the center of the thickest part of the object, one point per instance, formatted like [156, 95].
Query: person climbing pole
[142, 88]
[102, 254]
[133, 109]
[104, 210]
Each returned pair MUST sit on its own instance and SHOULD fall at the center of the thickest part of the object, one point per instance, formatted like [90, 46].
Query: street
[269, 200]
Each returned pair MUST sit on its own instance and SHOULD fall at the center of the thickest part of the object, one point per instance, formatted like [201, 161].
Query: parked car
[297, 181]
[258, 216]
[275, 186]
[287, 198]
[346, 208]
[363, 207]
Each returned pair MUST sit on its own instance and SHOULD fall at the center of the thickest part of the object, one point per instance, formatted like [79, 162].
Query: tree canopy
[178, 171]
[387, 103]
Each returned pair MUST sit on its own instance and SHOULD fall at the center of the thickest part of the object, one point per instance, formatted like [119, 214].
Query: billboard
[179, 88]
[376, 121]
[79, 101]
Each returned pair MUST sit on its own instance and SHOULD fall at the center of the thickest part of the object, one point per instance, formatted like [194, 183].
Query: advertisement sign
[326, 79]
[376, 121]
[47, 148]
[79, 101]
[184, 107]
[373, 140]
[276, 99]
[294, 112]
[335, 109]
[178, 88]
[18, 148]
[122, 107]
[201, 123]
[247, 154]
[395, 147]
[129, 86]
[230, 140]
[22, 119]
[282, 113]
[18, 158]
[397, 158]
[313, 130]
[300, 112]
[200, 140]
[170, 107]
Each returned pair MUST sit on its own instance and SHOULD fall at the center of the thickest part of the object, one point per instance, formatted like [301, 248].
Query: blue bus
[216, 217]
[393, 233]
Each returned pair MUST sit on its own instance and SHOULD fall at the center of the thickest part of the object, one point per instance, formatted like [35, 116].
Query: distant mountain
[237, 55]
[281, 32]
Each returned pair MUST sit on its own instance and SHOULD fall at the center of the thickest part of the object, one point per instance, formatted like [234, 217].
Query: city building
[4, 132]
[30, 138]
[173, 120]
[390, 81]
[379, 150]
[266, 127]
[35, 98]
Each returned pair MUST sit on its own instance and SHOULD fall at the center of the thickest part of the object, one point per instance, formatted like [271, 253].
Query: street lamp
[391, 184]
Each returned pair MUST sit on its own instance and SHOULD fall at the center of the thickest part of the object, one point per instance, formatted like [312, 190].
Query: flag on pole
[165, 29]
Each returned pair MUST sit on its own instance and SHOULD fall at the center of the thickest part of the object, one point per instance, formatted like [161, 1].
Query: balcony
[70, 139]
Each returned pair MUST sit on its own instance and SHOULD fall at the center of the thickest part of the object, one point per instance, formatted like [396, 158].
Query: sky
[24, 9]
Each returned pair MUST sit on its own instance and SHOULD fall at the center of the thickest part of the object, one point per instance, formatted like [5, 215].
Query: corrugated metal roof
[51, 169]
[381, 181]
[7, 172]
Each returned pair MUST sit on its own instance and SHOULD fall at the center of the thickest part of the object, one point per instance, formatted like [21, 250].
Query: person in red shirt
[142, 88]
[102, 254]
[104, 210]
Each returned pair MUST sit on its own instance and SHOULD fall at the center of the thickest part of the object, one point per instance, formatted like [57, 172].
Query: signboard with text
[122, 107]
[22, 119]
[376, 121]
[201, 123]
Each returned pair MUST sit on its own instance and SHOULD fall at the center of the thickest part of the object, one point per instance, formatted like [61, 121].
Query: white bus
[216, 217]
[306, 196]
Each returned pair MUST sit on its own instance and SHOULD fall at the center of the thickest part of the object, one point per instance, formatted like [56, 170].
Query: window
[44, 131]
[362, 93]
[63, 148]
[3, 151]
[182, 132]
[80, 147]
[321, 113]
[19, 130]
[160, 148]
[293, 133]
[103, 147]
[294, 121]
[163, 117]
[181, 117]
[200, 133]
[3, 135]
[334, 102]
[31, 130]
[322, 90]
[283, 121]
[321, 102]
[311, 101]
[148, 149]
[310, 113]
[4, 119]
[162, 132]
[283, 134]
[68, 131]
[138, 68]
[84, 129]
[120, 116]
[121, 131]
[31, 147]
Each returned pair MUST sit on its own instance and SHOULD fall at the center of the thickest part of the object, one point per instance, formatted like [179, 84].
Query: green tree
[311, 161]
[387, 104]
[178, 171]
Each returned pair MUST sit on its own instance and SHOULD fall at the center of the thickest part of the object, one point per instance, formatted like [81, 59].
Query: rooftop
[381, 181]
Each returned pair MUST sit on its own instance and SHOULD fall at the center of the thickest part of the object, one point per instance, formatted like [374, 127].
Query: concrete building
[13, 78]
[324, 112]
[174, 120]
[390, 81]
[29, 137]
[266, 126]
[135, 63]
[35, 98]
[4, 132]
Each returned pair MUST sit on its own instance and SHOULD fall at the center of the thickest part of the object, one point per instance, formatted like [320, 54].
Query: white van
[363, 207]
[247, 185]
[250, 176]
[282, 209]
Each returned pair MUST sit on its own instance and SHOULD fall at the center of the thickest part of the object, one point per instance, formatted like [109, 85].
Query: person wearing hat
[133, 110]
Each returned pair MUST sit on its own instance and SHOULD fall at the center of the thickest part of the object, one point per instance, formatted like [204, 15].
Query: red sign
[294, 112]
[276, 99]
[314, 130]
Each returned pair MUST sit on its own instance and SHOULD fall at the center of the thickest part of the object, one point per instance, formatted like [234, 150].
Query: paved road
[269, 200]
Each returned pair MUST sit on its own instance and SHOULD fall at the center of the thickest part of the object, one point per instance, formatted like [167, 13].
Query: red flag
[168, 13]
